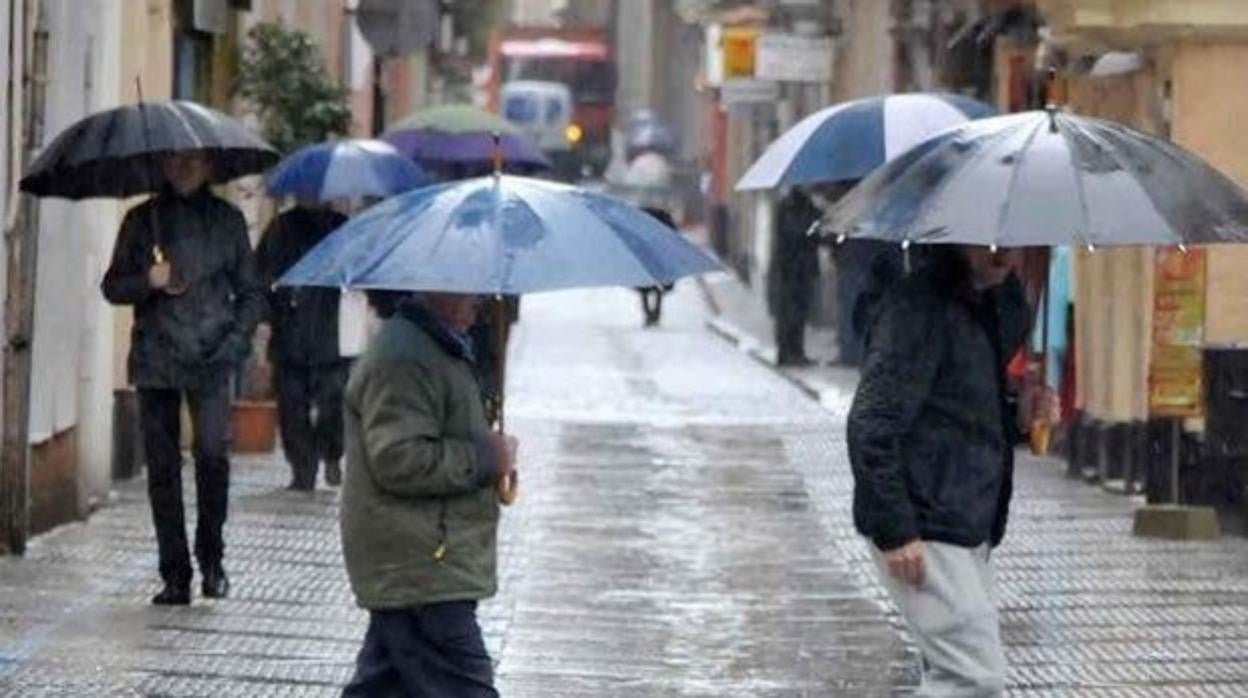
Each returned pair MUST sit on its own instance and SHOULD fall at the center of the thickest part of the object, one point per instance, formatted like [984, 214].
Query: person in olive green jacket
[419, 509]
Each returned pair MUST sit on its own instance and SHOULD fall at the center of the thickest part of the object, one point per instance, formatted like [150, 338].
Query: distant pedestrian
[184, 261]
[310, 373]
[419, 507]
[652, 296]
[791, 275]
[931, 444]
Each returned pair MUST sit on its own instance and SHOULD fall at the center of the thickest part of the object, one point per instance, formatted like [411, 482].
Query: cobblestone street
[683, 530]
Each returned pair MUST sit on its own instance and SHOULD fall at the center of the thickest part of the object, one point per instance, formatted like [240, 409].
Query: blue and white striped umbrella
[343, 169]
[499, 235]
[1045, 178]
[848, 141]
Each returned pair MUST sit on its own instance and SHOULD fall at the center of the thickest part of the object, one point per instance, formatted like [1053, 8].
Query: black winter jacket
[197, 339]
[304, 320]
[931, 433]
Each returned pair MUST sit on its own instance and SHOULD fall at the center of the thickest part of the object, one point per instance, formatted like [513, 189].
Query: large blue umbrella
[848, 141]
[343, 169]
[499, 235]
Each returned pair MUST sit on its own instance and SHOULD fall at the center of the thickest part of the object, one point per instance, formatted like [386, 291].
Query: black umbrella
[115, 153]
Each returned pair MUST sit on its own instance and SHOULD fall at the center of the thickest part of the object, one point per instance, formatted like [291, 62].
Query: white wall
[73, 343]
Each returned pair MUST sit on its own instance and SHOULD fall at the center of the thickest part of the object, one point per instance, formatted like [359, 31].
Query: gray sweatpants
[953, 618]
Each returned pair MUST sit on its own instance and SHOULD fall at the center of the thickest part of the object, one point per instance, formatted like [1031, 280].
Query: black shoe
[173, 595]
[216, 585]
[333, 473]
[296, 486]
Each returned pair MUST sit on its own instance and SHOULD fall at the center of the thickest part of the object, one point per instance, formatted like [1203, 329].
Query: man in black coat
[791, 275]
[931, 437]
[184, 261]
[310, 373]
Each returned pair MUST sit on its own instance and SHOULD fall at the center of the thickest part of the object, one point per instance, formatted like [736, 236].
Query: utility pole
[22, 247]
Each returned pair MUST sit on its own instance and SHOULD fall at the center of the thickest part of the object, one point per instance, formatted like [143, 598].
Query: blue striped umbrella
[347, 168]
[848, 141]
[499, 235]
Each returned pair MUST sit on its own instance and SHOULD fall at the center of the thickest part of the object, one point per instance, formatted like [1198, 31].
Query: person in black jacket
[184, 261]
[652, 296]
[791, 275]
[931, 437]
[310, 374]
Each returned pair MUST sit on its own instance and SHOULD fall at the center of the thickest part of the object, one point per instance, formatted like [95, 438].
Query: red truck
[578, 57]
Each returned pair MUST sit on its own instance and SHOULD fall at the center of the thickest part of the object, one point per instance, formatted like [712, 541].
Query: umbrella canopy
[347, 168]
[115, 153]
[499, 235]
[454, 118]
[463, 134]
[850, 140]
[1045, 178]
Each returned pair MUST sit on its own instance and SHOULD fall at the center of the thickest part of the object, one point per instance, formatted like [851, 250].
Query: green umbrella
[455, 118]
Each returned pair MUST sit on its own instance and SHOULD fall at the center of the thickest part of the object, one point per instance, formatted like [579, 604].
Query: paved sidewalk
[683, 530]
[1087, 609]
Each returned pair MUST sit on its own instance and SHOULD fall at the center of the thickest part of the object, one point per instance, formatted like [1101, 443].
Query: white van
[543, 110]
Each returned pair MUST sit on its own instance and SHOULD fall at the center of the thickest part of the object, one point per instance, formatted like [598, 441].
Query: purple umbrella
[434, 148]
[461, 136]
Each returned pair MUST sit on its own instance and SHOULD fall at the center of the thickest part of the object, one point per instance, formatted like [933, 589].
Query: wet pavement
[683, 530]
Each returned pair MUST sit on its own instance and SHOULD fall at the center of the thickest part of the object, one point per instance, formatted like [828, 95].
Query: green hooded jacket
[419, 512]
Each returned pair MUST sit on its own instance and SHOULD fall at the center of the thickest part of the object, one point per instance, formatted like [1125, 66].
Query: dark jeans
[160, 418]
[308, 439]
[434, 651]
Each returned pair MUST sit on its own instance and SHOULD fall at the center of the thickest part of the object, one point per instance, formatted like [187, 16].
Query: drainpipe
[22, 241]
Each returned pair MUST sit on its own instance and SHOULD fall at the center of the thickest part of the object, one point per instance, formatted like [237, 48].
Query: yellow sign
[739, 51]
[1176, 373]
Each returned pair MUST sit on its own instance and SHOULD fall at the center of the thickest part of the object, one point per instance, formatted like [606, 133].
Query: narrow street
[683, 530]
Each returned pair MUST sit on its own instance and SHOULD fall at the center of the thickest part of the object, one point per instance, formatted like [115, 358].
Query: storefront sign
[791, 58]
[748, 91]
[738, 45]
[1176, 371]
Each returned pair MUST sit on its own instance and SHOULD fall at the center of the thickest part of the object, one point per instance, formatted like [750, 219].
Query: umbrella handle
[508, 488]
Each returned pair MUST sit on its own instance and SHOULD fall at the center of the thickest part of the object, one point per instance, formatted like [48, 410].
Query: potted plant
[253, 414]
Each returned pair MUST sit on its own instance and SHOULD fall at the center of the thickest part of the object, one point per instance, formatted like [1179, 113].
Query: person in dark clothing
[184, 261]
[931, 436]
[652, 296]
[791, 275]
[310, 374]
[420, 509]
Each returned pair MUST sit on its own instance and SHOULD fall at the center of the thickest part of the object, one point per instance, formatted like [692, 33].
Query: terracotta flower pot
[253, 426]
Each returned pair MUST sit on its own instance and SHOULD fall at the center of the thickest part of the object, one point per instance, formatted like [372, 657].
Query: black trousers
[309, 409]
[434, 651]
[651, 304]
[790, 337]
[160, 418]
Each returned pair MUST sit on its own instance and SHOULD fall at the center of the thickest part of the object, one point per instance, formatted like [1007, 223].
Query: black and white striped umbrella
[115, 153]
[1044, 178]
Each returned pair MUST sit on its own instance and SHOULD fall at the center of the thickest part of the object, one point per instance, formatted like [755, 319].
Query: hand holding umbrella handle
[173, 286]
[508, 488]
